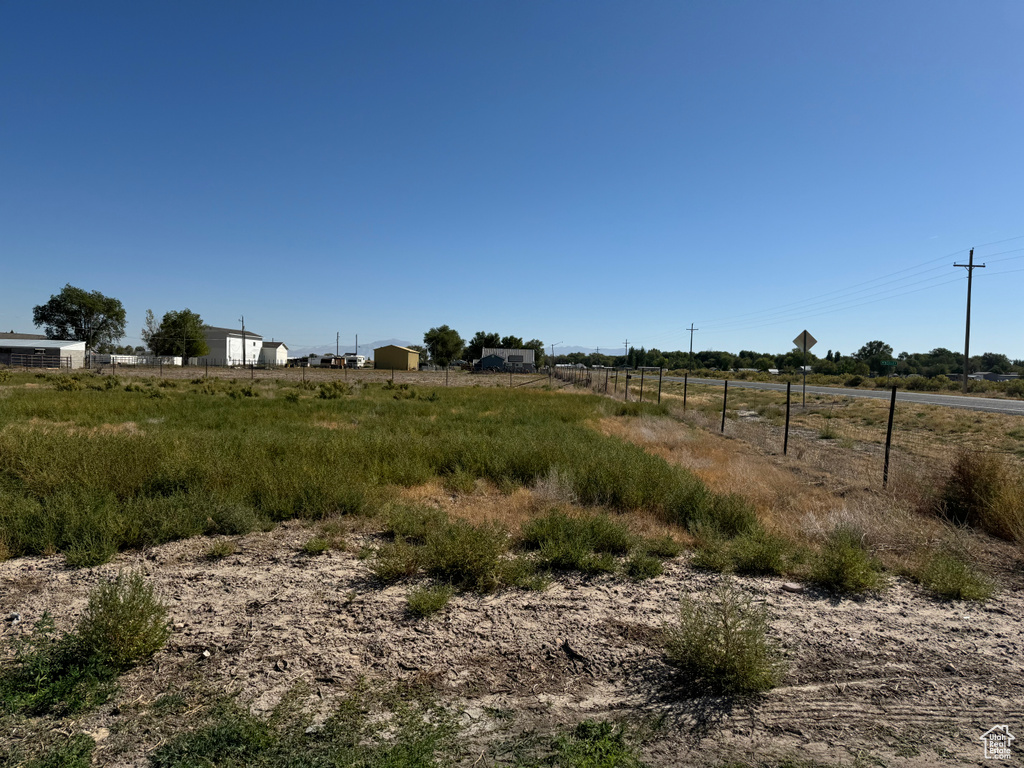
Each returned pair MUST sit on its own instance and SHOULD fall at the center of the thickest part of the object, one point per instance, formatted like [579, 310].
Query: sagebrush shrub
[124, 622]
[952, 578]
[721, 643]
[426, 601]
[465, 555]
[844, 565]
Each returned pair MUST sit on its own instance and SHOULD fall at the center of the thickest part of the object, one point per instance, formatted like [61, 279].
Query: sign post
[889, 365]
[804, 342]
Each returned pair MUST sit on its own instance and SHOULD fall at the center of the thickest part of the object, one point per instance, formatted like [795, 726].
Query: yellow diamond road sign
[805, 341]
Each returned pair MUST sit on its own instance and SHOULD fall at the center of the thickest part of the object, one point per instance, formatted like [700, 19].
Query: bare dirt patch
[899, 677]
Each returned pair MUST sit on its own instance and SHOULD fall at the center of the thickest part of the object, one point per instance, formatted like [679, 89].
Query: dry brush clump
[721, 643]
[982, 492]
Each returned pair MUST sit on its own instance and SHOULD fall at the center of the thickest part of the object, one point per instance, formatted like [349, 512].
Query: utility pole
[971, 266]
[555, 344]
[691, 329]
[625, 352]
[337, 343]
[243, 341]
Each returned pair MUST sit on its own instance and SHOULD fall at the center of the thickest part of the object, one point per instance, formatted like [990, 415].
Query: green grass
[753, 553]
[316, 546]
[586, 544]
[466, 556]
[950, 577]
[721, 643]
[73, 752]
[123, 624]
[844, 565]
[593, 744]
[92, 471]
[642, 565]
[426, 601]
[220, 550]
[368, 729]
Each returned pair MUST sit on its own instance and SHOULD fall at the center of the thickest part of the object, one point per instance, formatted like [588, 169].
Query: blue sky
[582, 172]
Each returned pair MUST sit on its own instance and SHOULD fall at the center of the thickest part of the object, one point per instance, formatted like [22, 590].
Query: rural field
[337, 569]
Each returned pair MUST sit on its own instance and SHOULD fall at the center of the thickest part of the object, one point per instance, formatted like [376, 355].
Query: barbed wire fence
[848, 437]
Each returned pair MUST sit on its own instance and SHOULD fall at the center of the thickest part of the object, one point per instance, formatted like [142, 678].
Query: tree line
[74, 314]
[870, 358]
[100, 321]
[444, 345]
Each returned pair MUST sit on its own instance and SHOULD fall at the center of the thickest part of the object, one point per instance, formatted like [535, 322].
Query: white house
[33, 350]
[231, 347]
[274, 353]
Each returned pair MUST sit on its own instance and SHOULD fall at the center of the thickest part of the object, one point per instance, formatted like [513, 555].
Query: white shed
[274, 353]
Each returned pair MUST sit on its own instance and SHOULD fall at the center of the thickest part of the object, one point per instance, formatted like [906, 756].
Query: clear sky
[576, 171]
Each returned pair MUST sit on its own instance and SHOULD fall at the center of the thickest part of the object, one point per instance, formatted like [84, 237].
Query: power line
[841, 294]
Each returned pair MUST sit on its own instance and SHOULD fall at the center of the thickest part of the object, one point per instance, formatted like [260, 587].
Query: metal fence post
[725, 400]
[785, 439]
[685, 377]
[888, 439]
[641, 385]
[660, 372]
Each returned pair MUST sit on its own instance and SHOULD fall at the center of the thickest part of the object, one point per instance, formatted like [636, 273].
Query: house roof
[43, 343]
[273, 343]
[231, 331]
[13, 335]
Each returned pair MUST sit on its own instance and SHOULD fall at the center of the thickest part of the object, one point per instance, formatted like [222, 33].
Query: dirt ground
[893, 679]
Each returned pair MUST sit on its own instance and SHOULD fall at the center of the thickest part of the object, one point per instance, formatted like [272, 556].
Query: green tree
[511, 342]
[444, 344]
[538, 348]
[763, 364]
[180, 334]
[995, 362]
[873, 353]
[75, 314]
[481, 339]
[149, 329]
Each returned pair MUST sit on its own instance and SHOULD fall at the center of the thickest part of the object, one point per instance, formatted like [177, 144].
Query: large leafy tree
[180, 334]
[873, 353]
[444, 344]
[481, 339]
[79, 315]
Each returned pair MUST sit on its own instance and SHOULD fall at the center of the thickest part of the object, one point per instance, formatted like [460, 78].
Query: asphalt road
[989, 404]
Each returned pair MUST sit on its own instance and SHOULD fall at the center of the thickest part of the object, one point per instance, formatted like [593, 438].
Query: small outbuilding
[274, 353]
[396, 358]
[34, 351]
